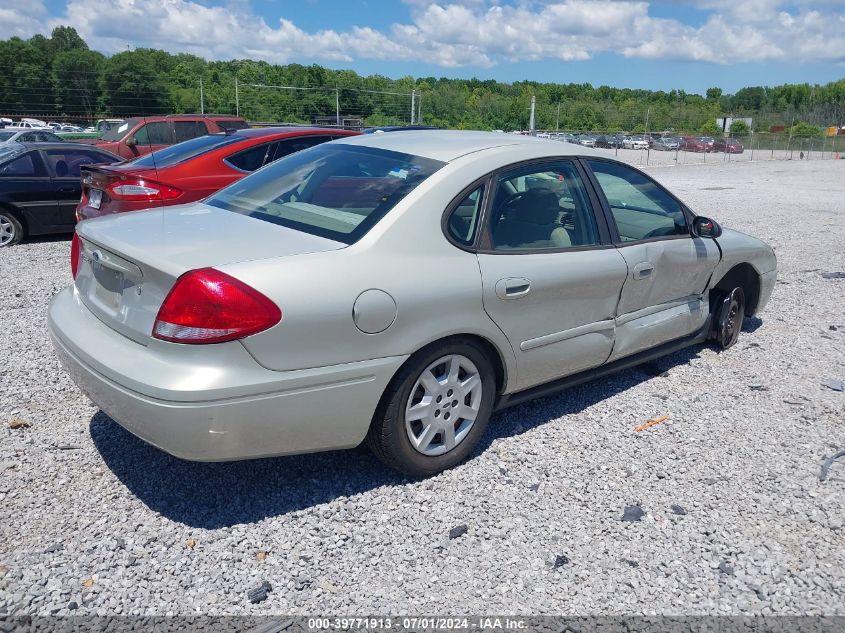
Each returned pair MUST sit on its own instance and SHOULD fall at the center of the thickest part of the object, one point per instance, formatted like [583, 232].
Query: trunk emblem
[97, 255]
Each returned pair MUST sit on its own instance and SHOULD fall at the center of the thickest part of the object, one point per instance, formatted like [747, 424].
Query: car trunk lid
[129, 262]
[101, 177]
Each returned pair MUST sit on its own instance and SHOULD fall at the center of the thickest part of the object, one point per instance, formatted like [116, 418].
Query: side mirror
[131, 141]
[705, 227]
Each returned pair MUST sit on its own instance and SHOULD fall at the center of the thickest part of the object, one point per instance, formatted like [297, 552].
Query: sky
[658, 44]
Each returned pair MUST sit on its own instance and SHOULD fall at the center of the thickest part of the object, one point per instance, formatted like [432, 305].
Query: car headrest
[61, 169]
[536, 206]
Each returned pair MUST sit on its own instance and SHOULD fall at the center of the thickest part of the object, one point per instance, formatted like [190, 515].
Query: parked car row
[47, 187]
[658, 142]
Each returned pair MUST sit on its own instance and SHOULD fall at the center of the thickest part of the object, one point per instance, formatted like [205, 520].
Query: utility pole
[237, 99]
[202, 103]
[419, 108]
[413, 105]
[337, 106]
[531, 123]
[557, 119]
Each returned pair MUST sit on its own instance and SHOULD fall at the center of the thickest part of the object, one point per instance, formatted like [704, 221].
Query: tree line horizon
[61, 77]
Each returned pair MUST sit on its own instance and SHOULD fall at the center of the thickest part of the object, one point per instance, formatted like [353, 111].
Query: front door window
[642, 208]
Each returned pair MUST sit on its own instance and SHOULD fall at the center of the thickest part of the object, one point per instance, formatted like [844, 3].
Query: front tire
[729, 314]
[435, 409]
[11, 231]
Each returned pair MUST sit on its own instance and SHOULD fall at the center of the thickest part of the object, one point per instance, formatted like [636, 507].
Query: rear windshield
[332, 190]
[5, 136]
[180, 152]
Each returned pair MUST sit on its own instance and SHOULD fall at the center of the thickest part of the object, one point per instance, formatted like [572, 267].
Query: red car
[140, 136]
[192, 170]
[728, 146]
[696, 144]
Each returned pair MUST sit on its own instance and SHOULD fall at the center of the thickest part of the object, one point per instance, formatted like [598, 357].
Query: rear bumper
[214, 402]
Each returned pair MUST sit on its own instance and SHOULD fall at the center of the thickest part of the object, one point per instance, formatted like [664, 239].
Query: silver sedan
[395, 289]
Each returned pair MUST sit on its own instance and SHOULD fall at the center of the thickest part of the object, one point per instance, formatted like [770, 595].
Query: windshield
[331, 190]
[184, 151]
[116, 131]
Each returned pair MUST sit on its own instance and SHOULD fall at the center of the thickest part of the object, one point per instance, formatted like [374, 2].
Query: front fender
[738, 248]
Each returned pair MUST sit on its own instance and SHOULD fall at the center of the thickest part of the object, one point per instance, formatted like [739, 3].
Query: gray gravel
[735, 517]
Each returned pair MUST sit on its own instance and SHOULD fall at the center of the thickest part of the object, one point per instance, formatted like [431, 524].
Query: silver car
[666, 144]
[393, 288]
[12, 135]
[634, 142]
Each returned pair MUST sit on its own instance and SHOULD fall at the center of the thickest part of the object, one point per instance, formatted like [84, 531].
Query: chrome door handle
[643, 270]
[513, 288]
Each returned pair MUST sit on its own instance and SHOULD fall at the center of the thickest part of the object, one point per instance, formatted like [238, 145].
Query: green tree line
[61, 77]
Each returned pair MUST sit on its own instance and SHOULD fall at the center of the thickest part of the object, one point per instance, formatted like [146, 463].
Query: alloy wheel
[7, 231]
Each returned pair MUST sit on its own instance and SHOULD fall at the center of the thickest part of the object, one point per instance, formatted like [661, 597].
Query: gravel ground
[736, 519]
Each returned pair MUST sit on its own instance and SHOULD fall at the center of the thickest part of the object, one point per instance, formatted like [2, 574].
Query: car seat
[532, 222]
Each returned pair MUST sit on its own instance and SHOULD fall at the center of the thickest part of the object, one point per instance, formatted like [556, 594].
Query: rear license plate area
[95, 198]
[108, 288]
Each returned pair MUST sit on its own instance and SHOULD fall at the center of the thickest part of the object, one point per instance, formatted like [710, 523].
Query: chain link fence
[699, 149]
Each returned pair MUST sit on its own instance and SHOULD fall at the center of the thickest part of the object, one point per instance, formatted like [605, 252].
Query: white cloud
[22, 18]
[450, 33]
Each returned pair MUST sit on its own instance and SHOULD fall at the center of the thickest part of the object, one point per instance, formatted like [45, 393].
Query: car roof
[158, 118]
[59, 145]
[253, 132]
[449, 145]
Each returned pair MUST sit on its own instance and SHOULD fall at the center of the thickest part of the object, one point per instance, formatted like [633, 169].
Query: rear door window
[186, 130]
[154, 134]
[542, 206]
[462, 224]
[251, 159]
[48, 137]
[67, 163]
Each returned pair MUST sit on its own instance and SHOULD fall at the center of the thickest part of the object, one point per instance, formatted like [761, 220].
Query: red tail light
[208, 306]
[75, 253]
[142, 191]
